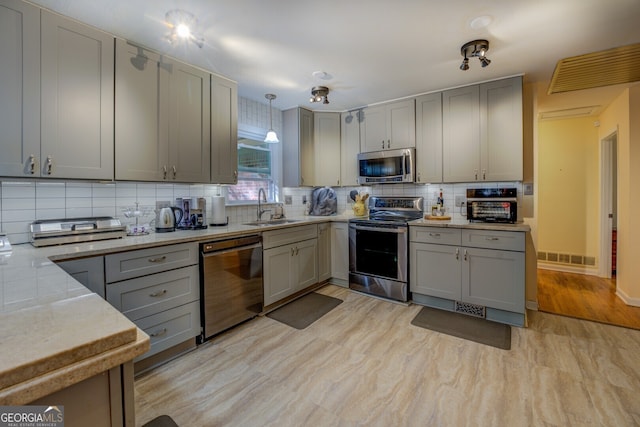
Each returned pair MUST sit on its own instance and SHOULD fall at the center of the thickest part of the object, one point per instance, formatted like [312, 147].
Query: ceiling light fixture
[182, 25]
[475, 48]
[319, 94]
[272, 137]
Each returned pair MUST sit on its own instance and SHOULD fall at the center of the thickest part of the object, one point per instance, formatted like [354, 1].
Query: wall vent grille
[567, 258]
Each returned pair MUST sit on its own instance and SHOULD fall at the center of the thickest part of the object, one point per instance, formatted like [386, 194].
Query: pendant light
[271, 137]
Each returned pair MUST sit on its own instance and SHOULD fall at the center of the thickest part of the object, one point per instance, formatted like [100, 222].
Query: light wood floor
[584, 297]
[364, 364]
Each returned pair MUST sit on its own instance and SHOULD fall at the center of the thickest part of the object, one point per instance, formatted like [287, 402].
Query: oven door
[378, 260]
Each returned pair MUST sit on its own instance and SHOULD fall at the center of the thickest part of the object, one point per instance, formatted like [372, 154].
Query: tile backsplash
[22, 202]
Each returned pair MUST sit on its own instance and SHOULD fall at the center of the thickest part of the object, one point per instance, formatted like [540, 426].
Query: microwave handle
[406, 172]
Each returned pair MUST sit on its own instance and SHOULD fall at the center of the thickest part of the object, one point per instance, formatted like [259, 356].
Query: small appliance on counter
[194, 213]
[218, 212]
[140, 223]
[5, 248]
[48, 232]
[166, 218]
[492, 205]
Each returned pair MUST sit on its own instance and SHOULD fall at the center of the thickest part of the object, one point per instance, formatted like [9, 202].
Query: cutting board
[437, 218]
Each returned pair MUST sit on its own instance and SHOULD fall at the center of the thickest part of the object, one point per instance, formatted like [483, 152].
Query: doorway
[608, 204]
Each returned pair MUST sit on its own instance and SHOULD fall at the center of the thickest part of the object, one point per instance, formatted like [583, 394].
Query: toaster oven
[492, 205]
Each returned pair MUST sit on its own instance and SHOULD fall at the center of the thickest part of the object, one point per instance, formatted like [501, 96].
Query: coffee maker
[194, 213]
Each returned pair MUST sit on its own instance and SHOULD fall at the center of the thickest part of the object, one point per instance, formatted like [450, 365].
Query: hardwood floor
[364, 364]
[585, 297]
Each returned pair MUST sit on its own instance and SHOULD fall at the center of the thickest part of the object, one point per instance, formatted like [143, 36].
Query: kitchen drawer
[284, 236]
[436, 235]
[127, 265]
[170, 327]
[144, 296]
[501, 240]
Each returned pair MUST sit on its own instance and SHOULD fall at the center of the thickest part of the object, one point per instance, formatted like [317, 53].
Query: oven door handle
[397, 230]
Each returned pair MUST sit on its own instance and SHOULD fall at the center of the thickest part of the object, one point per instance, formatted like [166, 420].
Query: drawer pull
[434, 234]
[457, 253]
[159, 259]
[493, 239]
[465, 255]
[158, 293]
[158, 333]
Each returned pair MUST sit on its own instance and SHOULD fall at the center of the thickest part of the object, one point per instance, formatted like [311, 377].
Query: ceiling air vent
[607, 67]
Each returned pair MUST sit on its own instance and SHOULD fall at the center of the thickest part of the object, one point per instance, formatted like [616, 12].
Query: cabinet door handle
[164, 172]
[484, 174]
[388, 143]
[158, 333]
[383, 144]
[434, 234]
[174, 171]
[457, 253]
[292, 251]
[32, 164]
[492, 238]
[418, 176]
[296, 250]
[158, 293]
[49, 165]
[235, 177]
[465, 255]
[475, 171]
[338, 182]
[159, 259]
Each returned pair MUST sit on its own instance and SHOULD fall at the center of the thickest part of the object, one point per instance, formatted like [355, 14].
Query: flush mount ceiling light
[319, 94]
[182, 25]
[272, 137]
[475, 48]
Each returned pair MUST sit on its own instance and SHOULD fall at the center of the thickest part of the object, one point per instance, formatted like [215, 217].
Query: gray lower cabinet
[481, 267]
[324, 252]
[88, 271]
[159, 290]
[290, 261]
[340, 253]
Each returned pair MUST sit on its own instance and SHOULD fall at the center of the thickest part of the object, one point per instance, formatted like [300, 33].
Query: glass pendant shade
[272, 137]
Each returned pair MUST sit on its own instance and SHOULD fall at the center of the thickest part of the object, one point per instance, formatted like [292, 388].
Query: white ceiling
[375, 50]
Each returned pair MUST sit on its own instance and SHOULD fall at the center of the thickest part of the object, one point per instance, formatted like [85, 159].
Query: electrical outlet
[460, 201]
[304, 199]
[288, 200]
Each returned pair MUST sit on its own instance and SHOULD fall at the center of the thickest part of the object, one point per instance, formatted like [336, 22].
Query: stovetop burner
[392, 210]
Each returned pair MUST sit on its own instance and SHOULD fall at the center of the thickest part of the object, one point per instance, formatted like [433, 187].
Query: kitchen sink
[271, 222]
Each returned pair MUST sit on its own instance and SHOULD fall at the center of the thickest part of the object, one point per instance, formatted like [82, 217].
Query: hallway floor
[584, 297]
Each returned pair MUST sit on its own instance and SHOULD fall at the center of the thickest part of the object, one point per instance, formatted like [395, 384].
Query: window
[255, 171]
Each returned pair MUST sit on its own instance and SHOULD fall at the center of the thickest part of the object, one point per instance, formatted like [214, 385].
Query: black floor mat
[464, 326]
[305, 310]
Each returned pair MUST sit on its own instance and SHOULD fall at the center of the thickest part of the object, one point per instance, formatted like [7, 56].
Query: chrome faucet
[260, 211]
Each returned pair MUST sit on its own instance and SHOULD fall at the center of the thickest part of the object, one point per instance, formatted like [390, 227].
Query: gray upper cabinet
[501, 130]
[388, 126]
[189, 123]
[482, 132]
[77, 100]
[162, 126]
[298, 169]
[461, 136]
[141, 120]
[326, 143]
[429, 138]
[56, 96]
[19, 88]
[224, 131]
[349, 147]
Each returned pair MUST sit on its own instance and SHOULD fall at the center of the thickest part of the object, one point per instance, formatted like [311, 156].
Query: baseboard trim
[564, 268]
[635, 302]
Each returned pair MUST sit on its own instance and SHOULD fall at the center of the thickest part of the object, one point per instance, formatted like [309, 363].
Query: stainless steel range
[379, 247]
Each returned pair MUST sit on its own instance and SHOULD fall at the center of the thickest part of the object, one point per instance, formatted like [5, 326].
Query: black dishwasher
[231, 289]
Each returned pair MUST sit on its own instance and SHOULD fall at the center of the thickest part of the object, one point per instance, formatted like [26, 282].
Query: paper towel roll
[218, 211]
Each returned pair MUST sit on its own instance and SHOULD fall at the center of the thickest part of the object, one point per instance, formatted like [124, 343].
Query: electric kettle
[166, 219]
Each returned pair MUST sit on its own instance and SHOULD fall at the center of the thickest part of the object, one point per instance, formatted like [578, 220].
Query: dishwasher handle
[223, 245]
[233, 249]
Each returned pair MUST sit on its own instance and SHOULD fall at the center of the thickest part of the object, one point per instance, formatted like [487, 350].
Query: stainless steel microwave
[388, 166]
